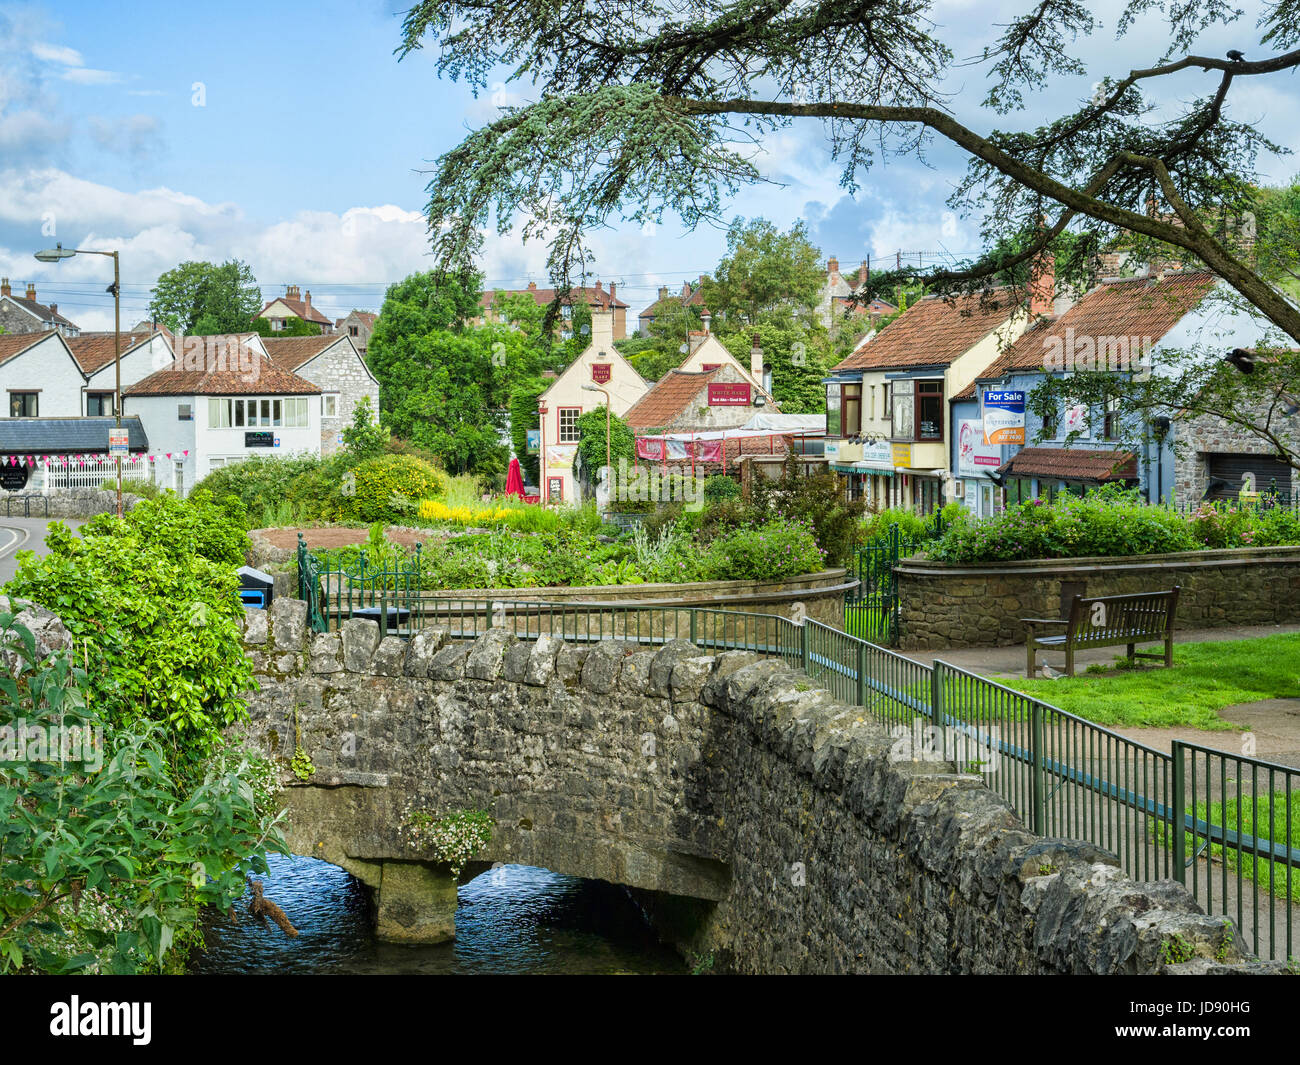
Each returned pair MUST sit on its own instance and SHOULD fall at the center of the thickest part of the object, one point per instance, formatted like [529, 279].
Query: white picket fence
[94, 474]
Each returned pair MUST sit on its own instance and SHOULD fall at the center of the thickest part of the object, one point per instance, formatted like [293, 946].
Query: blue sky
[299, 151]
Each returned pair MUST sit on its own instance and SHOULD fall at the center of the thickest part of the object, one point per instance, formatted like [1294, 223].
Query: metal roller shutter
[1233, 468]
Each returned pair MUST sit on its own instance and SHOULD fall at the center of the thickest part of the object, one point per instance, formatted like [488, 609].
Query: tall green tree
[444, 385]
[764, 271]
[638, 114]
[203, 298]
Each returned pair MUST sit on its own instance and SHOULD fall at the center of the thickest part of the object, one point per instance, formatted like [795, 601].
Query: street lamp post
[57, 254]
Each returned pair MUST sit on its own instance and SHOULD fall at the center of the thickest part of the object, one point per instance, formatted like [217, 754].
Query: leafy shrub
[390, 488]
[133, 486]
[263, 485]
[151, 600]
[1106, 522]
[819, 501]
[719, 487]
[106, 865]
[773, 551]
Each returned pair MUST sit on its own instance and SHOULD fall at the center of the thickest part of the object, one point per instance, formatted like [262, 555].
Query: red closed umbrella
[515, 480]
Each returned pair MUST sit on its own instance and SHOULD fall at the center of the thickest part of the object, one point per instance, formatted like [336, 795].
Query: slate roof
[931, 332]
[60, 436]
[1071, 464]
[221, 374]
[668, 398]
[1145, 307]
[94, 351]
[44, 313]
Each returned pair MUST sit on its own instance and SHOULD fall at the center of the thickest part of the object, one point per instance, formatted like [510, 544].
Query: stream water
[514, 919]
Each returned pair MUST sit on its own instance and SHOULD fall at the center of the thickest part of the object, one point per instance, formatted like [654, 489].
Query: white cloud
[90, 76]
[57, 53]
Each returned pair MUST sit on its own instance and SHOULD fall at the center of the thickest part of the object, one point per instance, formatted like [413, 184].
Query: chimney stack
[756, 360]
[1042, 283]
[612, 287]
[5, 290]
[307, 301]
[694, 339]
[862, 273]
[602, 329]
[532, 286]
[291, 292]
[31, 291]
[832, 266]
[54, 308]
[663, 290]
[705, 318]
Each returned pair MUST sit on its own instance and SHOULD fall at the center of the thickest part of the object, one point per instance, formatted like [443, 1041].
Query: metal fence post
[1038, 785]
[936, 694]
[803, 646]
[862, 672]
[693, 626]
[1178, 814]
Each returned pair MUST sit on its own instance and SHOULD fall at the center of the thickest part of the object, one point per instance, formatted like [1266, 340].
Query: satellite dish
[683, 349]
[585, 330]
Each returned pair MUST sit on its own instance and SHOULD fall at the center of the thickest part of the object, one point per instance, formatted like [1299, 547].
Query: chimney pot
[832, 265]
[612, 286]
[663, 292]
[54, 308]
[4, 287]
[532, 286]
[31, 292]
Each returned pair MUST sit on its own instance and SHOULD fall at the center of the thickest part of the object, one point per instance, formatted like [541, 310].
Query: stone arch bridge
[753, 816]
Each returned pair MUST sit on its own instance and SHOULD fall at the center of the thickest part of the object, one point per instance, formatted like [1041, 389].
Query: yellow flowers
[436, 510]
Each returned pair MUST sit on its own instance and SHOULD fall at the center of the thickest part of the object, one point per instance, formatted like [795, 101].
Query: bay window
[917, 410]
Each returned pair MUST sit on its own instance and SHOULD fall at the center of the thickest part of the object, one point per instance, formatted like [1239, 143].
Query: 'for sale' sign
[1004, 417]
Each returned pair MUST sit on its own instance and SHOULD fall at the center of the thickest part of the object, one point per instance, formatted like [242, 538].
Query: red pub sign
[729, 394]
[600, 372]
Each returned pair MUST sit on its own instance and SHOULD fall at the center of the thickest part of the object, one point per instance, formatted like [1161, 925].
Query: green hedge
[1110, 522]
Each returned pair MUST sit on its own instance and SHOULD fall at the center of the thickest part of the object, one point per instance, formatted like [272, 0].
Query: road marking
[17, 537]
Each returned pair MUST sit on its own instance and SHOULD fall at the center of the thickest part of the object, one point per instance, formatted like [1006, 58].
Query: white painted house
[222, 401]
[560, 406]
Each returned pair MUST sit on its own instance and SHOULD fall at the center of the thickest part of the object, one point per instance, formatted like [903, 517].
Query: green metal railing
[871, 612]
[1220, 823]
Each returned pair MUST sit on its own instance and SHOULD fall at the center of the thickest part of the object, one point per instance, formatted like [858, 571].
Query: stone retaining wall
[980, 605]
[768, 826]
[68, 503]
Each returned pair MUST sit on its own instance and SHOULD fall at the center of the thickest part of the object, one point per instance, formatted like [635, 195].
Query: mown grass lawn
[1205, 678]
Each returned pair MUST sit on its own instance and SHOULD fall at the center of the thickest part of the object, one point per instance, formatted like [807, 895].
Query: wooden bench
[1107, 621]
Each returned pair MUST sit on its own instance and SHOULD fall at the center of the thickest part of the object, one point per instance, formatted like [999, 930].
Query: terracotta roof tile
[292, 352]
[544, 296]
[668, 398]
[1144, 307]
[94, 351]
[213, 368]
[1071, 463]
[299, 308]
[931, 332]
[12, 344]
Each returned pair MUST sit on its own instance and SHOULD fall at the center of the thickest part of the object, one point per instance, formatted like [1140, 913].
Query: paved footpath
[1274, 722]
[24, 534]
